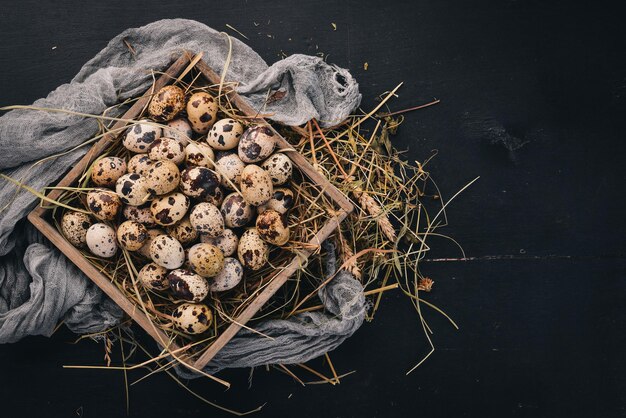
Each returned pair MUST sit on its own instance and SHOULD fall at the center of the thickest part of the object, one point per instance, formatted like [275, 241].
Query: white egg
[228, 277]
[101, 240]
[179, 129]
[167, 252]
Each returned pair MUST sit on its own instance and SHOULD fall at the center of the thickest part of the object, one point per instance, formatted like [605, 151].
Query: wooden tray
[38, 217]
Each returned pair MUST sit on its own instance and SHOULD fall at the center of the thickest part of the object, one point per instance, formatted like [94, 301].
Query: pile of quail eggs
[173, 202]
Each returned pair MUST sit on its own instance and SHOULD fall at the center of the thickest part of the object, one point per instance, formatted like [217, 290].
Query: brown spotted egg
[74, 226]
[167, 252]
[256, 144]
[104, 204]
[282, 200]
[236, 211]
[169, 209]
[224, 135]
[139, 214]
[167, 103]
[205, 259]
[168, 149]
[140, 164]
[272, 227]
[279, 167]
[133, 189]
[139, 137]
[179, 129]
[131, 235]
[152, 234]
[199, 154]
[163, 177]
[202, 184]
[228, 277]
[201, 112]
[192, 318]
[230, 168]
[100, 240]
[187, 285]
[227, 242]
[207, 219]
[183, 231]
[153, 277]
[252, 252]
[107, 170]
[256, 185]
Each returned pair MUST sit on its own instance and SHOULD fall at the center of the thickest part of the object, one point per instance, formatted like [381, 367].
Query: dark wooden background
[533, 100]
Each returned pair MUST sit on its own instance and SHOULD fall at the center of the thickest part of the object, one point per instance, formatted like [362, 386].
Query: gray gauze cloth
[39, 286]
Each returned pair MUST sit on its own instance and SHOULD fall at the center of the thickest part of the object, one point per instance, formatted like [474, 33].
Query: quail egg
[153, 277]
[140, 164]
[236, 211]
[224, 135]
[279, 167]
[230, 168]
[206, 259]
[169, 209]
[162, 177]
[192, 318]
[252, 252]
[227, 242]
[139, 137]
[187, 285]
[228, 277]
[272, 227]
[199, 154]
[202, 184]
[133, 189]
[152, 234]
[74, 226]
[256, 144]
[100, 239]
[201, 112]
[207, 219]
[167, 103]
[104, 204]
[167, 252]
[183, 231]
[107, 170]
[281, 201]
[179, 129]
[131, 235]
[256, 185]
[167, 149]
[139, 214]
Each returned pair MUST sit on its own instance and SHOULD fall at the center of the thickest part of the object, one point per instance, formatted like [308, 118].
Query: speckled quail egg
[162, 177]
[207, 219]
[153, 277]
[224, 135]
[202, 184]
[279, 167]
[133, 189]
[227, 242]
[104, 204]
[228, 277]
[139, 214]
[131, 235]
[236, 211]
[167, 149]
[179, 129]
[201, 112]
[192, 318]
[140, 164]
[199, 154]
[230, 168]
[252, 252]
[169, 209]
[256, 144]
[167, 252]
[100, 239]
[206, 259]
[74, 226]
[152, 234]
[282, 200]
[272, 227]
[107, 170]
[256, 185]
[139, 137]
[187, 285]
[183, 231]
[167, 103]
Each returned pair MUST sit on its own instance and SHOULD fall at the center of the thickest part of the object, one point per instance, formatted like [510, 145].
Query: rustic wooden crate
[39, 219]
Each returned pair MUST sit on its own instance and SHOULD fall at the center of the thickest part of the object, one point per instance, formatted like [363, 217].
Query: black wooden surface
[533, 101]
